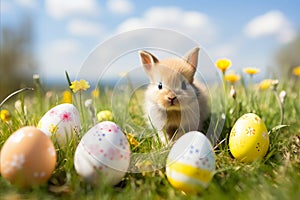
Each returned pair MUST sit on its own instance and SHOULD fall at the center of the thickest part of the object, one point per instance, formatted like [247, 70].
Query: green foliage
[276, 176]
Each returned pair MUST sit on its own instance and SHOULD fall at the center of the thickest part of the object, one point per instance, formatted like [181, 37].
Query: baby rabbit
[174, 102]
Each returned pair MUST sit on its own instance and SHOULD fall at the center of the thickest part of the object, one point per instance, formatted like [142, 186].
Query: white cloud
[224, 50]
[120, 6]
[84, 28]
[273, 23]
[64, 47]
[27, 3]
[61, 55]
[192, 23]
[60, 9]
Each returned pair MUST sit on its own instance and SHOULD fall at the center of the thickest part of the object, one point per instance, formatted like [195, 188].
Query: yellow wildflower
[79, 85]
[5, 115]
[53, 128]
[95, 93]
[232, 77]
[223, 64]
[146, 167]
[105, 115]
[251, 71]
[132, 140]
[265, 84]
[296, 71]
[67, 97]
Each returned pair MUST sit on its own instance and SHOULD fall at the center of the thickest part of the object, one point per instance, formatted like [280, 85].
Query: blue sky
[65, 32]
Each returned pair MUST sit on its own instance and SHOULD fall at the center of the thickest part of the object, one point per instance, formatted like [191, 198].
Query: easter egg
[191, 163]
[103, 154]
[249, 138]
[61, 123]
[28, 157]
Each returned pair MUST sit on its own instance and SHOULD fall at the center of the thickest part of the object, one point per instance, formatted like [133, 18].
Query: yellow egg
[249, 138]
[28, 157]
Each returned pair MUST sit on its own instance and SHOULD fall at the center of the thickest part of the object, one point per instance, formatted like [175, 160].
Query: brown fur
[188, 108]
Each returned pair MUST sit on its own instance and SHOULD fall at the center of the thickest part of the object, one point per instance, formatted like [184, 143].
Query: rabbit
[175, 103]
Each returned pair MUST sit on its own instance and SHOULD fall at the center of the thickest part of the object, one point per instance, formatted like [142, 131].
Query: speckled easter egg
[103, 154]
[28, 157]
[191, 163]
[249, 138]
[61, 122]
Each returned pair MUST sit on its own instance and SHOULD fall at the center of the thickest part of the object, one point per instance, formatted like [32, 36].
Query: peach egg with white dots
[28, 157]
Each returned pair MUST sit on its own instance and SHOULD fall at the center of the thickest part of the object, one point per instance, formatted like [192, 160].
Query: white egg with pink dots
[61, 123]
[103, 154]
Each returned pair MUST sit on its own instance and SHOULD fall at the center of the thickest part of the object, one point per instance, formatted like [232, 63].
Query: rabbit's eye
[160, 85]
[183, 85]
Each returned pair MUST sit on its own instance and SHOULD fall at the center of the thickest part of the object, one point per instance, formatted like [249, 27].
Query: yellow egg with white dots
[249, 138]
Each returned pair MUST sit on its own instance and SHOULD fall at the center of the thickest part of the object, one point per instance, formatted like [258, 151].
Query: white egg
[191, 163]
[61, 122]
[103, 154]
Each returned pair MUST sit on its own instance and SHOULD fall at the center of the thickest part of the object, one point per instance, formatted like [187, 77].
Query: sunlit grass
[276, 176]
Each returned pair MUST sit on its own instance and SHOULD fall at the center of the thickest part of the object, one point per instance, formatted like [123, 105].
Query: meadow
[277, 176]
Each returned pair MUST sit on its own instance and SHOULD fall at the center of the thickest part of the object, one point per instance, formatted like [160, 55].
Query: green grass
[277, 176]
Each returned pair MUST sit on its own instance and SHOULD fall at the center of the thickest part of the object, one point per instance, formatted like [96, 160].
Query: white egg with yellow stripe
[191, 163]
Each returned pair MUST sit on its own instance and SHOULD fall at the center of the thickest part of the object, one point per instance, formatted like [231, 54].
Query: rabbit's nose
[171, 99]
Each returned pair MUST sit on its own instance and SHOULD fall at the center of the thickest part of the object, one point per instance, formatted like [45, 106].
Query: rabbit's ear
[147, 60]
[192, 57]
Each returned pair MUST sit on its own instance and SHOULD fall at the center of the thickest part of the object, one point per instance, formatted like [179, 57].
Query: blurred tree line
[16, 58]
[288, 57]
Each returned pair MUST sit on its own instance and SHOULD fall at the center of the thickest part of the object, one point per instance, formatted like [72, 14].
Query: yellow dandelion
[223, 64]
[251, 71]
[105, 115]
[95, 93]
[79, 85]
[132, 141]
[5, 115]
[53, 128]
[146, 167]
[232, 77]
[265, 84]
[67, 97]
[296, 71]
